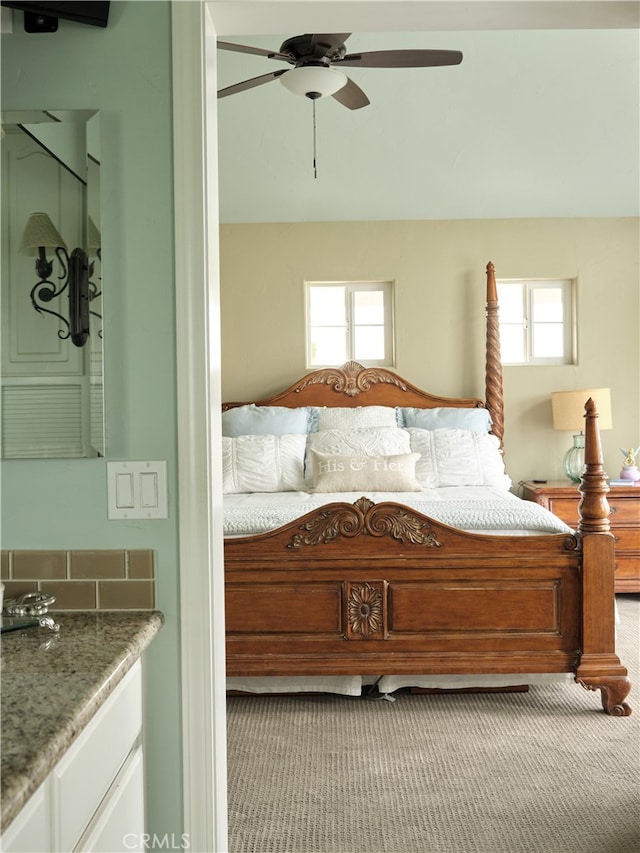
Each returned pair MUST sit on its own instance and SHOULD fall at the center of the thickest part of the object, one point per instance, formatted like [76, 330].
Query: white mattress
[479, 509]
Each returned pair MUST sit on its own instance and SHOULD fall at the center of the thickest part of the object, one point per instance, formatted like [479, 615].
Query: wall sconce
[41, 234]
[94, 248]
[568, 414]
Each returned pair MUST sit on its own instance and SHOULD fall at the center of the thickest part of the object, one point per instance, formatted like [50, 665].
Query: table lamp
[568, 414]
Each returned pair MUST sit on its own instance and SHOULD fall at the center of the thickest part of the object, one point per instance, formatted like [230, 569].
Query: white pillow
[445, 417]
[263, 463]
[265, 420]
[367, 441]
[344, 417]
[457, 457]
[333, 473]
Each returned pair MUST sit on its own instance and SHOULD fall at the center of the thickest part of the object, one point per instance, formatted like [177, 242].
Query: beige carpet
[539, 772]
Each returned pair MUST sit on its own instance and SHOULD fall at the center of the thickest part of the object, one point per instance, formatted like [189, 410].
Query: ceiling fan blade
[250, 84]
[351, 96]
[401, 58]
[256, 51]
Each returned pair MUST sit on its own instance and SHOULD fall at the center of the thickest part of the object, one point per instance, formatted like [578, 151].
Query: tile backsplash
[83, 580]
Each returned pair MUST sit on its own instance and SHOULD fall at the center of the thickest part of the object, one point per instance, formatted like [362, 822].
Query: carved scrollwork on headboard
[352, 378]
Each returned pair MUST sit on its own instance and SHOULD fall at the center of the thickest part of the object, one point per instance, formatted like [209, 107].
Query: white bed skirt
[353, 685]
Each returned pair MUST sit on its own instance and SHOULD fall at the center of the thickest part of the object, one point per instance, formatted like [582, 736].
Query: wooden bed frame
[381, 589]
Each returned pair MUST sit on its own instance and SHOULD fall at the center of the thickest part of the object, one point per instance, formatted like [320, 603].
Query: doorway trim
[195, 25]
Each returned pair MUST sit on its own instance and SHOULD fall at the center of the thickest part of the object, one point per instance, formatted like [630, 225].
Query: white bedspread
[480, 509]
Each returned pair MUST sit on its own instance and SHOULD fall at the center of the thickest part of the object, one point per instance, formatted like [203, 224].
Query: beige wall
[439, 272]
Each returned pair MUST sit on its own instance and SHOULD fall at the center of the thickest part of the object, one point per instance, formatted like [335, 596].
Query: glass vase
[573, 462]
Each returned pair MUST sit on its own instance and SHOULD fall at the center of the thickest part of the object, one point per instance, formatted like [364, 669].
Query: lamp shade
[568, 408]
[39, 232]
[314, 80]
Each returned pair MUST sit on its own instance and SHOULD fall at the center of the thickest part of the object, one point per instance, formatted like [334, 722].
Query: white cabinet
[30, 831]
[93, 799]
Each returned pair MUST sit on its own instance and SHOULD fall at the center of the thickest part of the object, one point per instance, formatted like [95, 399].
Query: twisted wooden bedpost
[599, 667]
[493, 362]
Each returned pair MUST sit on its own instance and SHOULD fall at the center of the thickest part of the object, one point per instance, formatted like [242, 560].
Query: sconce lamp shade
[568, 408]
[314, 81]
[40, 232]
[94, 238]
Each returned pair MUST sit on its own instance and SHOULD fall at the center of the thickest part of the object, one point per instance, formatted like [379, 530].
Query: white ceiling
[541, 122]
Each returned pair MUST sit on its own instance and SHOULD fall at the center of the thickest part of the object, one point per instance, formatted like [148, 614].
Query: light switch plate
[137, 490]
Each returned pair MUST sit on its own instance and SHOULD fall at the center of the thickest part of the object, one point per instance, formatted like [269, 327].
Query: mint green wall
[125, 72]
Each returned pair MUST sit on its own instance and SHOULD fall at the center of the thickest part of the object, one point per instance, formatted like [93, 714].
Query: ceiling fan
[314, 56]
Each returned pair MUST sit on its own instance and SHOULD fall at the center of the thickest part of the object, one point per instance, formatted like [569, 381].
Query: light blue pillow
[265, 420]
[447, 417]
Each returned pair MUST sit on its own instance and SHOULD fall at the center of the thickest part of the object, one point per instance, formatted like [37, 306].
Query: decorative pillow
[443, 417]
[263, 463]
[367, 441]
[456, 457]
[265, 420]
[344, 417]
[333, 473]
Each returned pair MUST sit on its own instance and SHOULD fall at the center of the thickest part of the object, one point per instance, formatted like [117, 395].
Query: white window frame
[569, 325]
[351, 287]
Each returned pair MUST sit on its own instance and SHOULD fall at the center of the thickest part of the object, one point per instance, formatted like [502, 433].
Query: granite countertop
[53, 684]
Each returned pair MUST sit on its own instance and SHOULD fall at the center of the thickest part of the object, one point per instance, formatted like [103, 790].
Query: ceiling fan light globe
[315, 81]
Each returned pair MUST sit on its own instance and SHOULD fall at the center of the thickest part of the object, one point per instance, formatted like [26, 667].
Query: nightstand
[562, 498]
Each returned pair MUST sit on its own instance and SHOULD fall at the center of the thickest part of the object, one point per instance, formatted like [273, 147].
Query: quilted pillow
[344, 417]
[332, 473]
[366, 441]
[443, 417]
[265, 420]
[457, 457]
[263, 463]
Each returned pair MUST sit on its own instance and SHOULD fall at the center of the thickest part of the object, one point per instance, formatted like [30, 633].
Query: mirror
[52, 345]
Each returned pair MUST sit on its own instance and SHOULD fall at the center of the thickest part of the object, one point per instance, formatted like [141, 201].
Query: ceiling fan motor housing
[303, 49]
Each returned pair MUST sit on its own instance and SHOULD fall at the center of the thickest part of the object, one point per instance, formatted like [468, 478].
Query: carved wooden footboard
[381, 589]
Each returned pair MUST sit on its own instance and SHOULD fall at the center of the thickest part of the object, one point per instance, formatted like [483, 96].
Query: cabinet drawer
[624, 510]
[566, 509]
[627, 566]
[628, 539]
[83, 776]
[621, 510]
[120, 824]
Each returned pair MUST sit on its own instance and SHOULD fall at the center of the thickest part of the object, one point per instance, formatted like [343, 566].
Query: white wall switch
[137, 490]
[124, 490]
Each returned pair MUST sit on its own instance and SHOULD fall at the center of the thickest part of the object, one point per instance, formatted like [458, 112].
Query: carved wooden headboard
[355, 385]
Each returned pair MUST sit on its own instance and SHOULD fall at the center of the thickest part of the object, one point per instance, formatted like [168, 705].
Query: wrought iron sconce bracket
[75, 275]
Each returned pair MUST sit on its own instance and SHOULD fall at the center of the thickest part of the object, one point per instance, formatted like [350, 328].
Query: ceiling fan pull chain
[315, 167]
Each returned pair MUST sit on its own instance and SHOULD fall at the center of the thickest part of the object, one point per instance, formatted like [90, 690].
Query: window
[349, 321]
[537, 321]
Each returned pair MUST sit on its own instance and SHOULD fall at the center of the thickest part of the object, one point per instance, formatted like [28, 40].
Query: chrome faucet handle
[47, 622]
[29, 604]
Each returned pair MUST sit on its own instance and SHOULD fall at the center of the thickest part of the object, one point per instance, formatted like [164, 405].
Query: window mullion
[349, 315]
